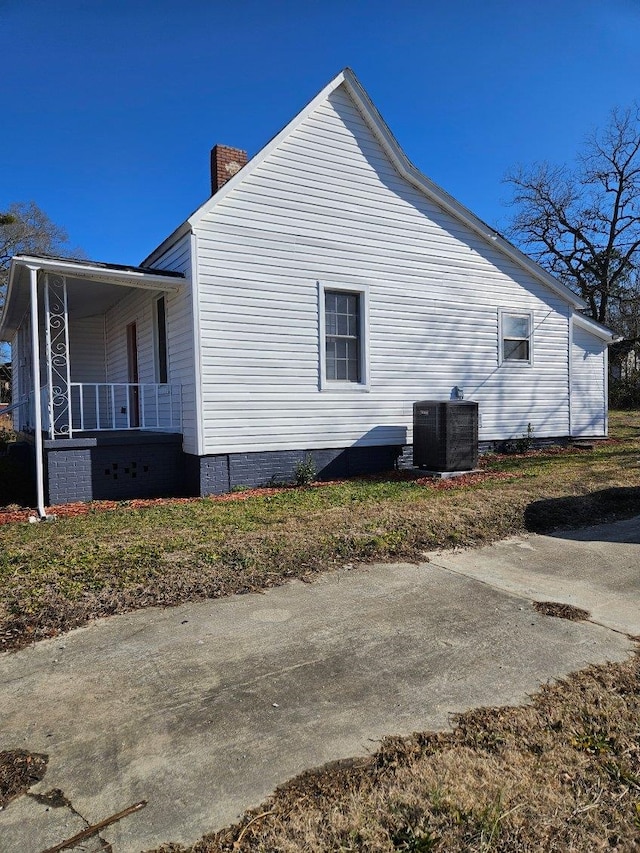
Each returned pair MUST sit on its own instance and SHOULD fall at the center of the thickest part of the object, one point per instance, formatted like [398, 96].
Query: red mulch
[82, 508]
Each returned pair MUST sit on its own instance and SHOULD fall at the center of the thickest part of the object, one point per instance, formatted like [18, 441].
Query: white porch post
[37, 403]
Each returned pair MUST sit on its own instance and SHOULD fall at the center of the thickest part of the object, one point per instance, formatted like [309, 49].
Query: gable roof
[403, 166]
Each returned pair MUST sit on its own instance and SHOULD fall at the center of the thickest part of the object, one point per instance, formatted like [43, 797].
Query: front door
[132, 365]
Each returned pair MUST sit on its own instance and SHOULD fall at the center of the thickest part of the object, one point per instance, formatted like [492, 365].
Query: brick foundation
[114, 467]
[121, 466]
[215, 475]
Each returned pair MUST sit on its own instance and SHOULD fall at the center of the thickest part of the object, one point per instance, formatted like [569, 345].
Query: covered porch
[90, 357]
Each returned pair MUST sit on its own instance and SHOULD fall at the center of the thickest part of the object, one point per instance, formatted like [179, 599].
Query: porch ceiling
[92, 288]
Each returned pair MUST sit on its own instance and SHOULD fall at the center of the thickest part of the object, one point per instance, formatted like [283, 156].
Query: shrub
[523, 443]
[305, 471]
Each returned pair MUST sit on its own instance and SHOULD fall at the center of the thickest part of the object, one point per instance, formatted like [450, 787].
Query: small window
[342, 336]
[516, 337]
[160, 319]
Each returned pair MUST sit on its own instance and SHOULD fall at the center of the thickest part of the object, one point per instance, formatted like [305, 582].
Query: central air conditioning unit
[445, 435]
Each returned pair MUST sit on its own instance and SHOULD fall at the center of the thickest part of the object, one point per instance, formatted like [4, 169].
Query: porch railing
[124, 405]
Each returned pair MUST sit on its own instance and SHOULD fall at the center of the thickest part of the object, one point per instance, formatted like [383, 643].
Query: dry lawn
[562, 774]
[59, 575]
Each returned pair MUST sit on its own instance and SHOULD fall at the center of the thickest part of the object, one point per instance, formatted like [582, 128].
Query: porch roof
[92, 286]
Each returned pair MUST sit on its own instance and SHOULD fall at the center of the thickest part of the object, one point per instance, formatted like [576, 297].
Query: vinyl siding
[138, 306]
[180, 337]
[16, 391]
[21, 373]
[327, 206]
[588, 380]
[87, 352]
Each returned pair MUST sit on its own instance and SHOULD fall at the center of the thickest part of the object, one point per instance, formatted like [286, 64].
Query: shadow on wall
[554, 515]
[377, 450]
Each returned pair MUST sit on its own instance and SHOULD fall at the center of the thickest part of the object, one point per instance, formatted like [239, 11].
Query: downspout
[37, 411]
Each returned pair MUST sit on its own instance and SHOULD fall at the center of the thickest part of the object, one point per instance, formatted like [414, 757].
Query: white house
[323, 288]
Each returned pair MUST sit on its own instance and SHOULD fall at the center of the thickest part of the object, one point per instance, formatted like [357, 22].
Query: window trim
[156, 340]
[362, 291]
[514, 312]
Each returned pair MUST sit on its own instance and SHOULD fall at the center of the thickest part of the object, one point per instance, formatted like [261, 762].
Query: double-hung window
[343, 344]
[516, 329]
[342, 336]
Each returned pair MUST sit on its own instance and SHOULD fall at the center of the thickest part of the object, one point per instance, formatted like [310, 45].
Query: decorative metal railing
[99, 406]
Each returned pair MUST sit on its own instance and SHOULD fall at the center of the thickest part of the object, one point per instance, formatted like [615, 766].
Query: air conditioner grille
[445, 435]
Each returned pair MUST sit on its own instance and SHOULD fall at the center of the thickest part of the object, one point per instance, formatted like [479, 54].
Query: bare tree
[26, 229]
[583, 223]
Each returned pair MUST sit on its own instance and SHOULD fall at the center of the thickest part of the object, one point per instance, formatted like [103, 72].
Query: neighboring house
[325, 287]
[624, 359]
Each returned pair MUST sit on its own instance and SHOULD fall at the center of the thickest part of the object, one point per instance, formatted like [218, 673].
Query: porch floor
[105, 438]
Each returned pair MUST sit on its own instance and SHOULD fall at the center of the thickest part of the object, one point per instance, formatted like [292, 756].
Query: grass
[560, 774]
[57, 576]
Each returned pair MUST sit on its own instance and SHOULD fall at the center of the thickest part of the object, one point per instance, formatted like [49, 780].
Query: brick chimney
[225, 162]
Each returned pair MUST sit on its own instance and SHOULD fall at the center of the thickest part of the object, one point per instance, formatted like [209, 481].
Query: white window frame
[514, 312]
[362, 291]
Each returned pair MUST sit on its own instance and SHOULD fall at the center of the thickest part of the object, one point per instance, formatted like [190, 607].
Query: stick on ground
[96, 827]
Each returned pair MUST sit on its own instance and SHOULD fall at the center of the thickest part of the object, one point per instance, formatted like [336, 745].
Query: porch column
[35, 376]
[57, 342]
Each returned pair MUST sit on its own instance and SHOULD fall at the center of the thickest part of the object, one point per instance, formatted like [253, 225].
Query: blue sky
[110, 107]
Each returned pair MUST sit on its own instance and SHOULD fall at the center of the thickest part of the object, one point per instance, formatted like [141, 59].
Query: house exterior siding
[437, 306]
[87, 350]
[15, 383]
[138, 307]
[326, 206]
[588, 384]
[180, 337]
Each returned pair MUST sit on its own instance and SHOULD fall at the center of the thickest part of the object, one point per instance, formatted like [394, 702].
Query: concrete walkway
[202, 710]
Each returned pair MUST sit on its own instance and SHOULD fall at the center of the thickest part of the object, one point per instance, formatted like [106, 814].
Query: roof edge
[177, 234]
[405, 168]
[7, 297]
[255, 161]
[116, 274]
[57, 263]
[441, 197]
[596, 328]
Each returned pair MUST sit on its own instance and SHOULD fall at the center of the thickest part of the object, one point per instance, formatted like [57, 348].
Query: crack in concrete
[57, 799]
[523, 597]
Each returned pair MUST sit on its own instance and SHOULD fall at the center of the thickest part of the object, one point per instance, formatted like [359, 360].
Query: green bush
[305, 471]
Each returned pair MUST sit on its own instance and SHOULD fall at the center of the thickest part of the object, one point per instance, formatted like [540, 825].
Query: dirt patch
[19, 770]
[562, 773]
[562, 611]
